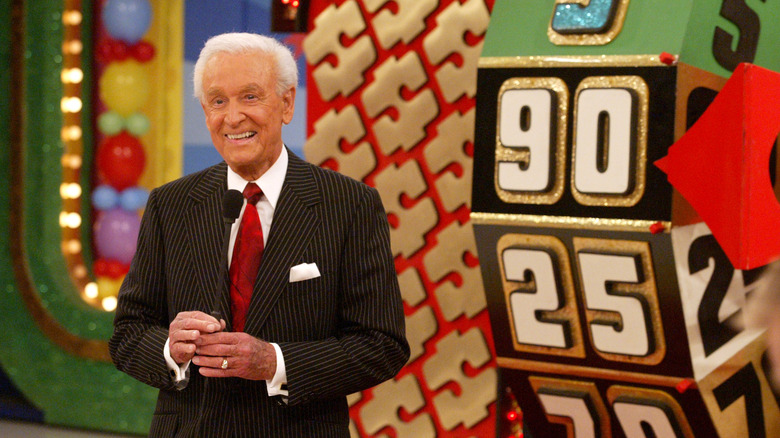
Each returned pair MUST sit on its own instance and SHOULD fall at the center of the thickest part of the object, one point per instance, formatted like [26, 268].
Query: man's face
[244, 114]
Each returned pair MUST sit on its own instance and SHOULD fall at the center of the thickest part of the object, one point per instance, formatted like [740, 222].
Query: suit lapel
[295, 220]
[204, 233]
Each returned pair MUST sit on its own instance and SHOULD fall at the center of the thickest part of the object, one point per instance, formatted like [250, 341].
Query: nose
[235, 114]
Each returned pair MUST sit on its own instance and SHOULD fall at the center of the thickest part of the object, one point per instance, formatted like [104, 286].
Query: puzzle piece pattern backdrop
[391, 103]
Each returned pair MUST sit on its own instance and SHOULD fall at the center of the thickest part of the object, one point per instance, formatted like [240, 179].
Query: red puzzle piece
[721, 166]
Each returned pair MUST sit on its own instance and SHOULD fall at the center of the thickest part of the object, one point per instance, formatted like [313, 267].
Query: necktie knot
[252, 193]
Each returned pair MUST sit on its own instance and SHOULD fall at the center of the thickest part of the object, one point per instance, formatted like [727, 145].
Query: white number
[574, 408]
[524, 305]
[597, 270]
[603, 134]
[632, 416]
[534, 106]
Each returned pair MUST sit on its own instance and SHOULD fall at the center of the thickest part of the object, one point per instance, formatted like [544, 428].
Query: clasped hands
[201, 338]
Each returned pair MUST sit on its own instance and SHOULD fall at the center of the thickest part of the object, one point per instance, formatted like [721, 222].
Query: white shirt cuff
[278, 385]
[178, 373]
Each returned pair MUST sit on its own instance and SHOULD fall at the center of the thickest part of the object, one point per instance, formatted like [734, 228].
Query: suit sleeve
[370, 345]
[141, 321]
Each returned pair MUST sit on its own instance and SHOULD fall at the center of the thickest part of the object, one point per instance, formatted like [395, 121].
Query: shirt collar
[270, 182]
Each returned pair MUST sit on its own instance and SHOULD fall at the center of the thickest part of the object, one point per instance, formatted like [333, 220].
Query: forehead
[239, 69]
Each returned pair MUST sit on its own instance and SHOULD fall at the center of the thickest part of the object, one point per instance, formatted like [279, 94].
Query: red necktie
[247, 252]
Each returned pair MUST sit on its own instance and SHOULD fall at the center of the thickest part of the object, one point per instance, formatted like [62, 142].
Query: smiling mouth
[241, 136]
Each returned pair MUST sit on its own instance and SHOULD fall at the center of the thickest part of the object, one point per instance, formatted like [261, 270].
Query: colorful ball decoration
[137, 124]
[124, 87]
[104, 197]
[120, 160]
[116, 233]
[133, 199]
[110, 123]
[127, 20]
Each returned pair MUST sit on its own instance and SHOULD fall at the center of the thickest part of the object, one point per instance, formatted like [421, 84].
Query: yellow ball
[124, 87]
[108, 287]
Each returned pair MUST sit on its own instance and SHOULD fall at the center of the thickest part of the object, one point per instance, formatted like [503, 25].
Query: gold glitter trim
[521, 154]
[589, 372]
[567, 222]
[571, 61]
[590, 39]
[640, 107]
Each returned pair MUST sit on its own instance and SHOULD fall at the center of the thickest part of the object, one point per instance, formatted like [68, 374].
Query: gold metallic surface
[592, 39]
[571, 61]
[568, 222]
[521, 155]
[584, 372]
[641, 94]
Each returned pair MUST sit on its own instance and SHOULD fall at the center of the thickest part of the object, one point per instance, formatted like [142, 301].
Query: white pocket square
[304, 271]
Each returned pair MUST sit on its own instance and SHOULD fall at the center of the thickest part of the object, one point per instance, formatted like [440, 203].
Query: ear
[288, 101]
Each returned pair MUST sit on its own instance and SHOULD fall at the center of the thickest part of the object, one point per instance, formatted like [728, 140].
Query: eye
[251, 97]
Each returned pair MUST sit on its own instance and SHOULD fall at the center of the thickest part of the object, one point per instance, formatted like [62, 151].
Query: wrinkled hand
[247, 357]
[186, 329]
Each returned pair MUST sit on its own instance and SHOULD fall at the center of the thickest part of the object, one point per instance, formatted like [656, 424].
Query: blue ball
[104, 197]
[127, 20]
[133, 199]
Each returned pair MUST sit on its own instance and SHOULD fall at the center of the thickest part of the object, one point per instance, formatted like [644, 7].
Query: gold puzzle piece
[412, 289]
[476, 393]
[449, 37]
[389, 398]
[447, 147]
[405, 25]
[421, 325]
[468, 298]
[389, 79]
[329, 130]
[409, 236]
[347, 75]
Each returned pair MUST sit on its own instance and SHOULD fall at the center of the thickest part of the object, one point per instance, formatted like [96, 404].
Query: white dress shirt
[270, 183]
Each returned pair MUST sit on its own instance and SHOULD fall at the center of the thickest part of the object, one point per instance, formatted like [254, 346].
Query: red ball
[103, 51]
[116, 269]
[142, 51]
[119, 50]
[120, 160]
[100, 267]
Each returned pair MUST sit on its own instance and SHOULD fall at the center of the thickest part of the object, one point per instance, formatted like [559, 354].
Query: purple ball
[116, 235]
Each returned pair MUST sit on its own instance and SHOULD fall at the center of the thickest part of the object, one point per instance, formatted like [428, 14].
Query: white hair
[286, 68]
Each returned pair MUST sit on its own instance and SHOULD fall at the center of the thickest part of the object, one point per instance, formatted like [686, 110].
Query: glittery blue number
[573, 18]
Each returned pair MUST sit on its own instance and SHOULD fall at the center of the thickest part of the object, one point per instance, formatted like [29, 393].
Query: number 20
[608, 145]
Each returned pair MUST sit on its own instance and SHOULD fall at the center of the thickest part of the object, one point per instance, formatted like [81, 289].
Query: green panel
[698, 48]
[519, 28]
[70, 390]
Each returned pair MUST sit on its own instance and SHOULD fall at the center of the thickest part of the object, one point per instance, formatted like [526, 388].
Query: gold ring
[224, 364]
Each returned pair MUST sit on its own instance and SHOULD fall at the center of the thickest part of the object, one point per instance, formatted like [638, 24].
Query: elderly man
[263, 327]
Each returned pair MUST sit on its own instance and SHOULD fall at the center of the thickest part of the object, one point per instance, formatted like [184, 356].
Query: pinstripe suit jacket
[339, 333]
